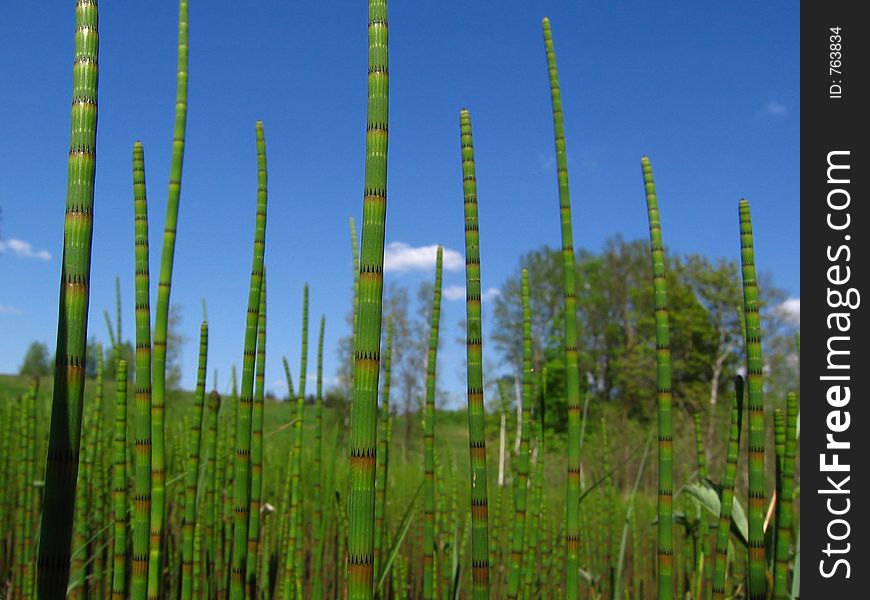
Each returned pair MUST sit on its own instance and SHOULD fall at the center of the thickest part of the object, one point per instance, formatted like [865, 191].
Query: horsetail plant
[161, 317]
[521, 482]
[572, 373]
[367, 332]
[727, 496]
[755, 381]
[429, 439]
[192, 472]
[785, 518]
[319, 522]
[81, 531]
[383, 454]
[251, 583]
[62, 461]
[296, 552]
[142, 385]
[241, 484]
[211, 513]
[664, 395]
[119, 483]
[474, 353]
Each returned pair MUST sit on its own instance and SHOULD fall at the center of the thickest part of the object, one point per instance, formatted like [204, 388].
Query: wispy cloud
[9, 310]
[457, 292]
[790, 310]
[775, 109]
[22, 249]
[400, 257]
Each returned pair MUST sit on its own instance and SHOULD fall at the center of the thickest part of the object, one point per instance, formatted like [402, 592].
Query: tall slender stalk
[785, 519]
[727, 497]
[119, 483]
[317, 568]
[474, 353]
[142, 385]
[81, 532]
[29, 492]
[755, 382]
[251, 583]
[161, 317]
[62, 461]
[429, 439]
[297, 541]
[572, 373]
[241, 484]
[192, 473]
[367, 333]
[382, 478]
[211, 515]
[663, 388]
[521, 483]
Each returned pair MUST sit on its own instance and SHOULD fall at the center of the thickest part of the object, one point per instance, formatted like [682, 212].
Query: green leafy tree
[37, 361]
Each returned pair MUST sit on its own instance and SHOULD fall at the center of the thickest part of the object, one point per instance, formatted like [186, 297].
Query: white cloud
[23, 249]
[457, 292]
[9, 310]
[790, 310]
[775, 109]
[401, 257]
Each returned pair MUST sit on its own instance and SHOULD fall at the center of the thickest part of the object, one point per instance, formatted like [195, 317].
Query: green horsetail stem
[251, 583]
[30, 468]
[383, 454]
[355, 253]
[81, 532]
[192, 473]
[521, 482]
[241, 483]
[429, 439]
[297, 540]
[119, 483]
[664, 395]
[755, 381]
[20, 483]
[474, 353]
[211, 518]
[367, 331]
[572, 372]
[62, 461]
[785, 519]
[727, 498]
[142, 384]
[317, 568]
[161, 317]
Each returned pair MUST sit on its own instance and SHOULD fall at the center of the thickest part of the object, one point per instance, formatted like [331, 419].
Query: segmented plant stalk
[212, 521]
[664, 396]
[429, 440]
[572, 373]
[317, 568]
[62, 461]
[29, 492]
[521, 482]
[251, 584]
[241, 483]
[192, 474]
[785, 519]
[297, 541]
[727, 497]
[383, 454]
[81, 533]
[161, 317]
[367, 332]
[142, 384]
[119, 483]
[755, 380]
[474, 352]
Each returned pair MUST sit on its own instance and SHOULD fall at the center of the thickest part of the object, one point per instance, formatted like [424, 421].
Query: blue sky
[709, 91]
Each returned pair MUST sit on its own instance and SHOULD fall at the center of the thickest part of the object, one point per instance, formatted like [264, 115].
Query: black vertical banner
[835, 170]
